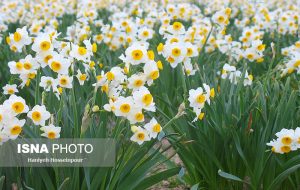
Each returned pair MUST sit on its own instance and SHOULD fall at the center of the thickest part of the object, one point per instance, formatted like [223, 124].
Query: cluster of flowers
[127, 89]
[230, 72]
[287, 140]
[132, 27]
[49, 53]
[292, 63]
[11, 111]
[198, 97]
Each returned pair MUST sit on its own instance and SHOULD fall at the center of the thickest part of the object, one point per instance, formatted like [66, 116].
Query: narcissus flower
[82, 53]
[197, 97]
[123, 106]
[151, 72]
[143, 98]
[59, 64]
[10, 89]
[14, 128]
[153, 127]
[136, 54]
[47, 83]
[287, 140]
[51, 131]
[19, 39]
[42, 44]
[65, 81]
[140, 136]
[136, 81]
[39, 115]
[16, 104]
[81, 77]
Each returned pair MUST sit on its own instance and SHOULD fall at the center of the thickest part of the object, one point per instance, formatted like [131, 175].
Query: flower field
[213, 83]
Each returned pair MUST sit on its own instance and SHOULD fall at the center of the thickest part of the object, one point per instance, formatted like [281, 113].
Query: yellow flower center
[63, 81]
[145, 33]
[174, 40]
[286, 140]
[177, 26]
[156, 128]
[261, 47]
[16, 130]
[49, 83]
[36, 116]
[140, 136]
[51, 135]
[138, 83]
[56, 66]
[99, 37]
[47, 58]
[81, 51]
[285, 149]
[45, 45]
[27, 66]
[248, 33]
[18, 107]
[17, 36]
[139, 116]
[19, 66]
[171, 59]
[147, 99]
[200, 99]
[10, 91]
[125, 108]
[189, 52]
[176, 52]
[154, 75]
[137, 54]
[221, 19]
[250, 56]
[110, 76]
[83, 77]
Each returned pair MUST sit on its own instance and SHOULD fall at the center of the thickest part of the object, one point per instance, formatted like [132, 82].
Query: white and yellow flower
[19, 39]
[42, 44]
[143, 98]
[16, 105]
[39, 115]
[14, 128]
[123, 106]
[65, 81]
[10, 89]
[51, 131]
[135, 54]
[81, 77]
[140, 136]
[59, 64]
[153, 127]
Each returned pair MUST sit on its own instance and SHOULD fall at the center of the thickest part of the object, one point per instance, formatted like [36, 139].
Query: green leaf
[229, 176]
[154, 179]
[281, 177]
[2, 178]
[63, 183]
